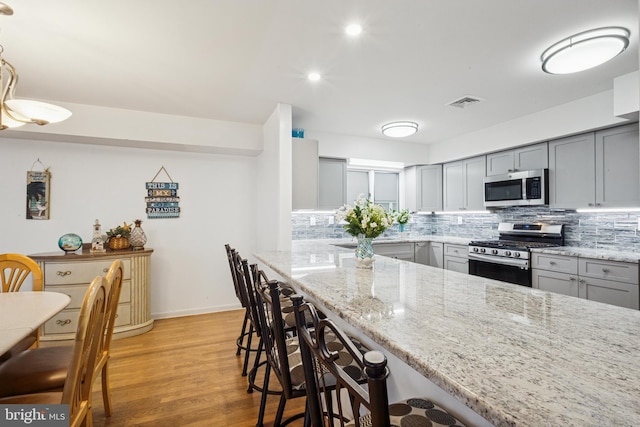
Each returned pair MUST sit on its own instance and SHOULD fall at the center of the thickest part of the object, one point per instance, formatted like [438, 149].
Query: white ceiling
[234, 60]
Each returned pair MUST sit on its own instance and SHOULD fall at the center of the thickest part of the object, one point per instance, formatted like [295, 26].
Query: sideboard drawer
[76, 293]
[123, 316]
[65, 322]
[79, 272]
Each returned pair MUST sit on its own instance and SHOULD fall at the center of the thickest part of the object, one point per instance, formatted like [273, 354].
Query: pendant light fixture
[18, 112]
[399, 129]
[585, 50]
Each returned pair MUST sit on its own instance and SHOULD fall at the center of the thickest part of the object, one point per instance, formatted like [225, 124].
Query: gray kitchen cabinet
[596, 169]
[436, 254]
[572, 172]
[462, 184]
[423, 188]
[332, 187]
[429, 253]
[610, 282]
[403, 251]
[535, 156]
[617, 167]
[456, 258]
[421, 253]
[304, 154]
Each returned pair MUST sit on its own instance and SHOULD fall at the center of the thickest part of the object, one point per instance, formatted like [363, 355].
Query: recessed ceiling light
[314, 77]
[585, 50]
[399, 129]
[353, 29]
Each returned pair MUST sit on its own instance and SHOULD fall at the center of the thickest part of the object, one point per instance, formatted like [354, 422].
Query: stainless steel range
[509, 258]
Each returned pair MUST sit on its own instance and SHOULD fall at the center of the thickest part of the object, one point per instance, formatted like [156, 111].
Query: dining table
[23, 312]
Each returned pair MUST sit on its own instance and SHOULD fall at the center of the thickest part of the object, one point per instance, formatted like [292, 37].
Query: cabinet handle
[573, 279]
[590, 204]
[581, 281]
[552, 263]
[598, 204]
[605, 270]
[63, 273]
[105, 270]
[63, 322]
[511, 170]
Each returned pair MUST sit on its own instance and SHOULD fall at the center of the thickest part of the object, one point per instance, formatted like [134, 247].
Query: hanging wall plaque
[162, 198]
[38, 183]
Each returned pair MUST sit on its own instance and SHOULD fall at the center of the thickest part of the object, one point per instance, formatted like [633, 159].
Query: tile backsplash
[610, 230]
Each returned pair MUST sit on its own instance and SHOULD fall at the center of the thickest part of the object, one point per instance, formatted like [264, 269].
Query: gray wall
[614, 231]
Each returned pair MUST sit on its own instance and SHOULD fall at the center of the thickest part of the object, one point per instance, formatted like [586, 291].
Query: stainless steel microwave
[523, 188]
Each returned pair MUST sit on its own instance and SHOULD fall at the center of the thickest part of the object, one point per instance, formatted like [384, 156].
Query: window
[381, 186]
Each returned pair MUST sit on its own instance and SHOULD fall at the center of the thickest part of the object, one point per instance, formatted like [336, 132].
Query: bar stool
[365, 407]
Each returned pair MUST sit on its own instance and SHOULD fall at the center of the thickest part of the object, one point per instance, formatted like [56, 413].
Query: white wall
[274, 183]
[349, 146]
[582, 115]
[189, 269]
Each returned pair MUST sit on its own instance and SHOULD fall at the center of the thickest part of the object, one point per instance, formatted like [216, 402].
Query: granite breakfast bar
[514, 355]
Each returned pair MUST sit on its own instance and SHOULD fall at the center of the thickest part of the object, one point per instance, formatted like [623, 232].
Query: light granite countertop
[516, 356]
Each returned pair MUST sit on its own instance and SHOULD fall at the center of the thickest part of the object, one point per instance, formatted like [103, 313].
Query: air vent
[465, 101]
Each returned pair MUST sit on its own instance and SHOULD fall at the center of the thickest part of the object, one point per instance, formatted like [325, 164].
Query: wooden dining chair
[14, 270]
[78, 386]
[46, 369]
[324, 372]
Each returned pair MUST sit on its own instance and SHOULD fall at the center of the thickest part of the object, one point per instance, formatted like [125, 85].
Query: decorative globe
[70, 242]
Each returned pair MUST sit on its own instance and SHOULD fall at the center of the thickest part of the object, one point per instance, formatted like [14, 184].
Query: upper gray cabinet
[304, 153]
[463, 184]
[596, 169]
[519, 159]
[617, 167]
[332, 191]
[423, 188]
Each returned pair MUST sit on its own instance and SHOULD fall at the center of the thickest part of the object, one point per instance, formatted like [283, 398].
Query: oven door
[504, 269]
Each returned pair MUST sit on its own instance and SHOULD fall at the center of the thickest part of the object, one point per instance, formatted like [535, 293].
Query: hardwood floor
[185, 372]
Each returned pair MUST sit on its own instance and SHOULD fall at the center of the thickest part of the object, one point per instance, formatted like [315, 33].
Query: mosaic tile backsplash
[613, 231]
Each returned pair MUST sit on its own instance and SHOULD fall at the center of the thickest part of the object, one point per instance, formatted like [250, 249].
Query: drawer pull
[605, 270]
[63, 273]
[63, 322]
[552, 263]
[105, 270]
[573, 279]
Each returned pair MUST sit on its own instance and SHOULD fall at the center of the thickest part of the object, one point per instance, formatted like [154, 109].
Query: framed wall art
[38, 186]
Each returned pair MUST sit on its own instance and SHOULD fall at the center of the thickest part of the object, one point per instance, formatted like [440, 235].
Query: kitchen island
[514, 355]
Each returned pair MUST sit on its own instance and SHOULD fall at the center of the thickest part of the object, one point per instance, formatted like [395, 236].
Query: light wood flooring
[185, 372]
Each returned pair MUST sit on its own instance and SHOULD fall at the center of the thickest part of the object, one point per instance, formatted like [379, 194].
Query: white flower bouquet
[364, 218]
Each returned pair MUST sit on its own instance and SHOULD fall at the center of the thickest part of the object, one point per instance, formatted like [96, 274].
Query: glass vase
[401, 227]
[364, 252]
[137, 238]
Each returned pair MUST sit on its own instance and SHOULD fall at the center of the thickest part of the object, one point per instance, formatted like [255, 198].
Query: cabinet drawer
[609, 270]
[551, 281]
[456, 250]
[65, 322]
[80, 272]
[395, 250]
[457, 264]
[559, 263]
[123, 315]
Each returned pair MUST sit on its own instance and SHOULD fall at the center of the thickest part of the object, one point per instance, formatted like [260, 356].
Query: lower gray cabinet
[456, 258]
[610, 282]
[403, 251]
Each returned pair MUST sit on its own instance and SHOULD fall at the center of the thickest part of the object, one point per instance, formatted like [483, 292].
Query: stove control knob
[517, 254]
[507, 253]
[475, 249]
[483, 250]
[494, 251]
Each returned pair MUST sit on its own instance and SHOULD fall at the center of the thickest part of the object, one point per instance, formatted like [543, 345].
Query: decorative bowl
[70, 242]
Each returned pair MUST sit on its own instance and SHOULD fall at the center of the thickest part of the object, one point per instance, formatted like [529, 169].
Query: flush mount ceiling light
[18, 112]
[399, 129]
[313, 76]
[585, 50]
[353, 30]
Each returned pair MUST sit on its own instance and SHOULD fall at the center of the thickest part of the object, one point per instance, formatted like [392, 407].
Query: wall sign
[38, 183]
[162, 198]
